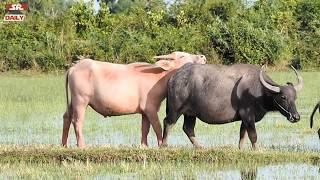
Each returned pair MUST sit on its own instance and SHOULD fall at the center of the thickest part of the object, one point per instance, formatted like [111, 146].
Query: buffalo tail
[66, 86]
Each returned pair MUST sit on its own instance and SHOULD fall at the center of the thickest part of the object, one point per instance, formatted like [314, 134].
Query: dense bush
[275, 32]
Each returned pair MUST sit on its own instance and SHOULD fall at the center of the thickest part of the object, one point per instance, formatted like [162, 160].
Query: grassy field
[31, 109]
[168, 163]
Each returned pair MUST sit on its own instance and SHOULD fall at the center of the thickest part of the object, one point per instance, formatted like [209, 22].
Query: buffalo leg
[243, 134]
[67, 118]
[154, 120]
[168, 122]
[251, 128]
[145, 127]
[248, 122]
[78, 117]
[188, 128]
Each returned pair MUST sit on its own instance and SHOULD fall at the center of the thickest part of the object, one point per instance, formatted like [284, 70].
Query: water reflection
[243, 172]
[282, 171]
[249, 174]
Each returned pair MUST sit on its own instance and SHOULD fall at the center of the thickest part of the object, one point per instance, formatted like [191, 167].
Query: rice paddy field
[31, 109]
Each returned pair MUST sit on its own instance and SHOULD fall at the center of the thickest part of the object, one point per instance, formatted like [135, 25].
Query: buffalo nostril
[296, 117]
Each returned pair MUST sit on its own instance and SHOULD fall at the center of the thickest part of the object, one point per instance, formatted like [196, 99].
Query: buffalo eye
[181, 57]
[283, 97]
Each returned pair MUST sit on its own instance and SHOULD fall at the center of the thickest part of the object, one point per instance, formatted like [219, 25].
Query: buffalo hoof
[198, 146]
[64, 145]
[163, 145]
[82, 147]
[143, 146]
[257, 148]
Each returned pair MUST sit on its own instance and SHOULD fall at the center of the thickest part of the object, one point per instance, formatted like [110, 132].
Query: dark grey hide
[311, 117]
[223, 94]
[313, 112]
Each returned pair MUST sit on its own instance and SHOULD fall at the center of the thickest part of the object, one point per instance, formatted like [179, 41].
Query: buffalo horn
[171, 56]
[267, 85]
[298, 87]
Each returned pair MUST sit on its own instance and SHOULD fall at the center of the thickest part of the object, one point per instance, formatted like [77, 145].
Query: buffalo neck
[268, 101]
[161, 85]
[166, 74]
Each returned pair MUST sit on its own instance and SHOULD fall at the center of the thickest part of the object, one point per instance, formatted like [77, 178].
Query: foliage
[274, 32]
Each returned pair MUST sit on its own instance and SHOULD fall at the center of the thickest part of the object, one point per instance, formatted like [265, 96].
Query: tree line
[56, 32]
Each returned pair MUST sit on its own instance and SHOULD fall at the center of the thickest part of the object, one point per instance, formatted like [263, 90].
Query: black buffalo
[223, 94]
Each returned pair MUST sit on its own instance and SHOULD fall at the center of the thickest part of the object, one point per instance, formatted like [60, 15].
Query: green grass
[31, 109]
[34, 162]
[221, 155]
[128, 162]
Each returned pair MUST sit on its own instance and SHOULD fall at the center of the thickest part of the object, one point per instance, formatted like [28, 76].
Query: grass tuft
[222, 155]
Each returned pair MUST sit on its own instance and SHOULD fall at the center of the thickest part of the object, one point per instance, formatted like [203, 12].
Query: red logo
[18, 6]
[14, 12]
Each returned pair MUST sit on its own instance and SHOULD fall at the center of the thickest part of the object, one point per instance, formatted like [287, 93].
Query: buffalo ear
[165, 64]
